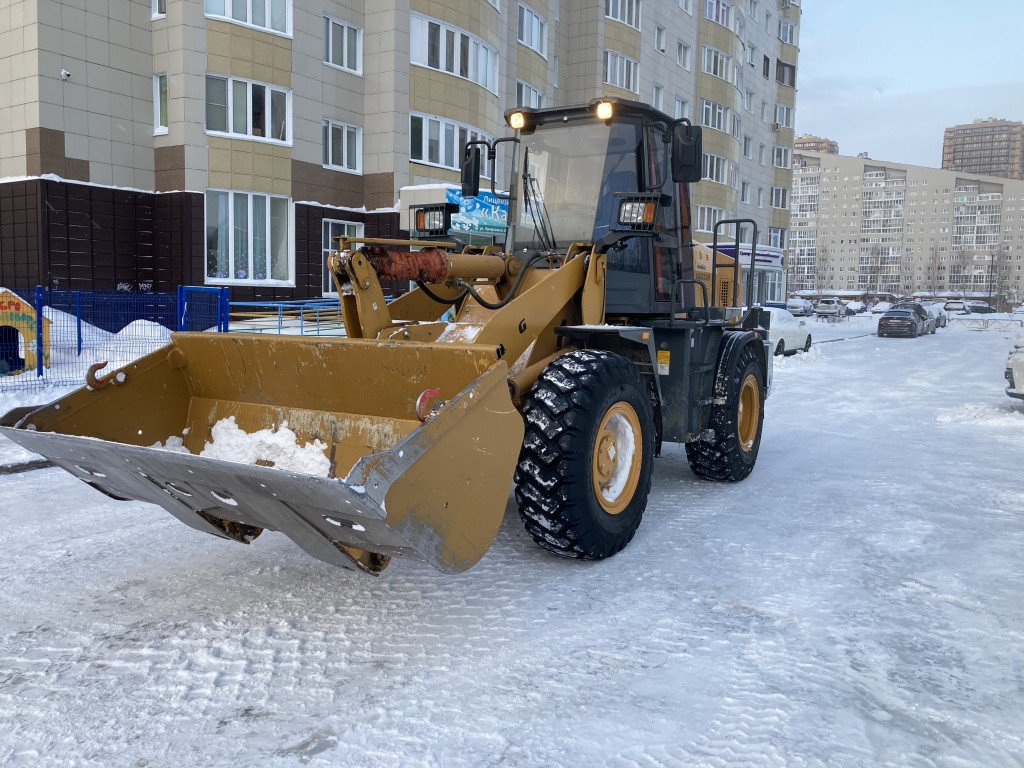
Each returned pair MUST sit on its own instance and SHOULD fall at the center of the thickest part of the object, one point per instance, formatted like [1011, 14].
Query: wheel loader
[598, 331]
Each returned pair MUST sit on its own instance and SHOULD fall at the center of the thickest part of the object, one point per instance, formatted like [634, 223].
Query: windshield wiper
[535, 206]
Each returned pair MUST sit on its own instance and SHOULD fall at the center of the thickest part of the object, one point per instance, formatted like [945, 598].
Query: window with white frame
[160, 103]
[719, 11]
[760, 197]
[781, 157]
[777, 237]
[270, 15]
[342, 146]
[752, 8]
[744, 191]
[159, 8]
[714, 115]
[785, 74]
[780, 197]
[686, 5]
[784, 115]
[748, 147]
[447, 48]
[658, 97]
[248, 109]
[762, 154]
[333, 228]
[528, 96]
[717, 63]
[748, 101]
[682, 108]
[683, 55]
[441, 142]
[621, 71]
[343, 45]
[248, 238]
[735, 126]
[659, 39]
[532, 30]
[751, 55]
[626, 11]
[787, 32]
[707, 217]
[716, 168]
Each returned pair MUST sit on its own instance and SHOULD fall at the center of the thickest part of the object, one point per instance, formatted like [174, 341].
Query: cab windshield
[562, 198]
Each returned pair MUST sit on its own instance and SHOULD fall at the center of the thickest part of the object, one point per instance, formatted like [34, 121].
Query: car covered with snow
[800, 307]
[881, 307]
[941, 317]
[1015, 370]
[830, 308]
[955, 306]
[786, 334]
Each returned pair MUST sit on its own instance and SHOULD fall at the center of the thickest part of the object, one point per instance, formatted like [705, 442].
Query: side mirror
[687, 152]
[471, 172]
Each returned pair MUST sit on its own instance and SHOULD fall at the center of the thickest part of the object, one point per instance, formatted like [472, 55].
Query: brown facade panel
[314, 182]
[169, 164]
[44, 150]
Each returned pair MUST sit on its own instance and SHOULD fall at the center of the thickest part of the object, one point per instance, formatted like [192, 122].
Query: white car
[1015, 370]
[827, 307]
[787, 335]
[800, 307]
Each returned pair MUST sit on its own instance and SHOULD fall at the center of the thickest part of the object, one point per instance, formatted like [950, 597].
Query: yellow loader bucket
[387, 483]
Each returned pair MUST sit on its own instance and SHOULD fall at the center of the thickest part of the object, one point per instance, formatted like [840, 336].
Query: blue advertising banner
[486, 213]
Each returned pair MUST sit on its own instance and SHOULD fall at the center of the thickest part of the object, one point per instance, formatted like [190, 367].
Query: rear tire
[585, 468]
[807, 344]
[781, 349]
[736, 423]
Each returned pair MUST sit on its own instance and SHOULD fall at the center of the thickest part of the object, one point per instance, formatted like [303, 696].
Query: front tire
[807, 344]
[730, 453]
[781, 349]
[585, 468]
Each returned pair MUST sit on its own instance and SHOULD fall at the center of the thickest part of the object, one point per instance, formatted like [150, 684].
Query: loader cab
[614, 173]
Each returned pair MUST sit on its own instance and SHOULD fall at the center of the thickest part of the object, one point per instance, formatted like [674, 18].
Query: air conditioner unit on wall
[776, 126]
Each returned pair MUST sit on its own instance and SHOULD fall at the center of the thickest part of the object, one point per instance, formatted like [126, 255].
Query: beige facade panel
[252, 166]
[249, 53]
[444, 95]
[480, 18]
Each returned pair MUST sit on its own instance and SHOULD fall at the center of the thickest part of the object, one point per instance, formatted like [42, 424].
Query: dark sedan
[900, 322]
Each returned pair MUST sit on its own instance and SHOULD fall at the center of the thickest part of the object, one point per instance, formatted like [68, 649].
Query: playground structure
[20, 327]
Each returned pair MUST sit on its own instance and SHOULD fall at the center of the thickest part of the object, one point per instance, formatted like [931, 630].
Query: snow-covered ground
[857, 601]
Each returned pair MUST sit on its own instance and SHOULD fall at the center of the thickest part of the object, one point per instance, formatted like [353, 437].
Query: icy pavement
[855, 602]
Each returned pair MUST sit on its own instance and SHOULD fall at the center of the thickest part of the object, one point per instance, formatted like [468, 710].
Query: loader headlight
[637, 213]
[516, 121]
[427, 219]
[604, 110]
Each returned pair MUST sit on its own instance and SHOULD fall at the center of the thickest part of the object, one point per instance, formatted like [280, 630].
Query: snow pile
[132, 342]
[174, 444]
[278, 448]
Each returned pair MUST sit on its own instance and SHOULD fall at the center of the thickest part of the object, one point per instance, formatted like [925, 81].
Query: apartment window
[784, 115]
[752, 8]
[445, 48]
[659, 39]
[752, 55]
[159, 103]
[780, 197]
[342, 146]
[781, 157]
[683, 55]
[777, 237]
[528, 96]
[159, 8]
[626, 11]
[343, 45]
[707, 217]
[744, 191]
[715, 62]
[716, 168]
[787, 32]
[748, 147]
[764, 111]
[760, 197]
[533, 30]
[785, 74]
[682, 108]
[719, 11]
[248, 109]
[441, 142]
[248, 237]
[714, 115]
[686, 5]
[658, 98]
[621, 71]
[766, 67]
[333, 228]
[271, 15]
[748, 101]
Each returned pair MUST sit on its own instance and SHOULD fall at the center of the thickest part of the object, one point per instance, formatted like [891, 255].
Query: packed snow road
[855, 602]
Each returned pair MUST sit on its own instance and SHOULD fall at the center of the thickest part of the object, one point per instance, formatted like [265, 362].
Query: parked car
[800, 307]
[855, 307]
[881, 308]
[900, 322]
[830, 307]
[980, 309]
[775, 304]
[955, 306]
[787, 334]
[918, 309]
[1015, 371]
[939, 313]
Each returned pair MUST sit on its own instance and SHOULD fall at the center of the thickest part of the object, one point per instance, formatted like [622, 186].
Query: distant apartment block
[862, 225]
[153, 143]
[991, 147]
[816, 144]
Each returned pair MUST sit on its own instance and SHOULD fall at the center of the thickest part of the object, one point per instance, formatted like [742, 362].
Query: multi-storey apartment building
[159, 142]
[816, 144]
[877, 227]
[991, 147]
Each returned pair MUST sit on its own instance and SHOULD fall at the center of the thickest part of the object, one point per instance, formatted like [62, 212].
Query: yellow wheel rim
[749, 414]
[618, 454]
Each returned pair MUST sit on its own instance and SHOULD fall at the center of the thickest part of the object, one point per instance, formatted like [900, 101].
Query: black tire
[730, 453]
[575, 496]
[781, 349]
[807, 344]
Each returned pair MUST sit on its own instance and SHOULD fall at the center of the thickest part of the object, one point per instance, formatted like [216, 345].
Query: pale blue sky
[887, 76]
